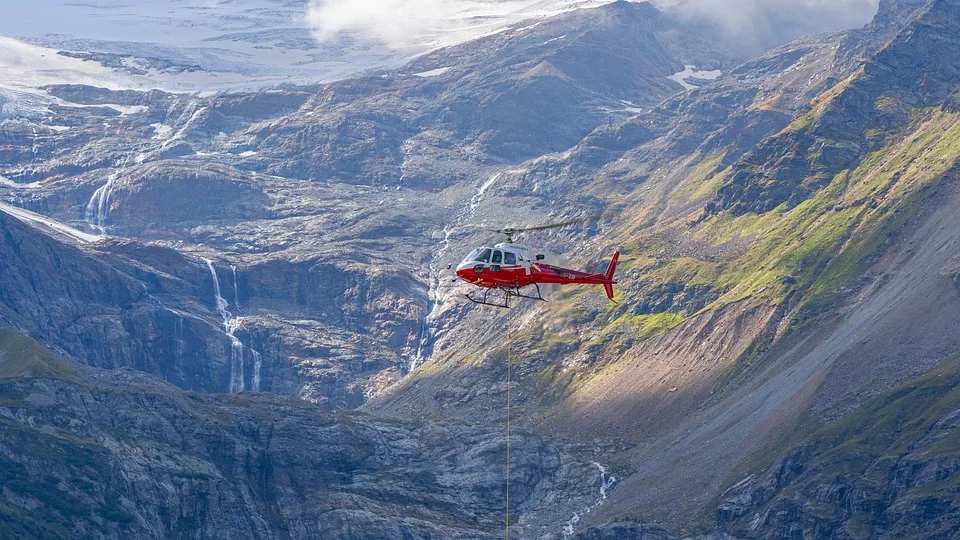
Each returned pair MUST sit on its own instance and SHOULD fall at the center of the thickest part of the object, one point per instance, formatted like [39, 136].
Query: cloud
[395, 22]
[761, 24]
[405, 24]
[399, 24]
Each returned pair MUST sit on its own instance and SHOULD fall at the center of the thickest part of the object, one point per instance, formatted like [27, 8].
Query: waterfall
[222, 304]
[437, 292]
[229, 328]
[236, 290]
[178, 335]
[98, 207]
[422, 338]
[195, 113]
[230, 325]
[606, 482]
[257, 363]
[236, 363]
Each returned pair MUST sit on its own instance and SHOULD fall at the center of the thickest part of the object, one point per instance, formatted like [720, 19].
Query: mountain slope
[313, 203]
[889, 469]
[734, 321]
[789, 238]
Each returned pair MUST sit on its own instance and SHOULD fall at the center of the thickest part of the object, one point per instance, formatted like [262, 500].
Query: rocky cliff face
[119, 454]
[789, 246]
[888, 470]
[915, 70]
[117, 304]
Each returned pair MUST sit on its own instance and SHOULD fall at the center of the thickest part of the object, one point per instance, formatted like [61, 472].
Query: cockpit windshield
[481, 255]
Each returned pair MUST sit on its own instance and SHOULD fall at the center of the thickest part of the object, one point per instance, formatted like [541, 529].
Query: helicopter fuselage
[512, 267]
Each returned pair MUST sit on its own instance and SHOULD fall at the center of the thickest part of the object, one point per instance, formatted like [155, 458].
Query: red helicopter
[509, 268]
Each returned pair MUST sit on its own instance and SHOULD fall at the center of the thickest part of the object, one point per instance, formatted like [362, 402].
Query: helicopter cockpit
[492, 257]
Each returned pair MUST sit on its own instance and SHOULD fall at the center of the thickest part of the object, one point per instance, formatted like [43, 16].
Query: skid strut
[508, 291]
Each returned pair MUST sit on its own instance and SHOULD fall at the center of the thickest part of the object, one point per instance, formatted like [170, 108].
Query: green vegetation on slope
[822, 245]
[805, 260]
[650, 325]
[21, 356]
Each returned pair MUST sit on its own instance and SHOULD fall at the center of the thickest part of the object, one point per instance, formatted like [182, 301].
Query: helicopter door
[525, 264]
[496, 261]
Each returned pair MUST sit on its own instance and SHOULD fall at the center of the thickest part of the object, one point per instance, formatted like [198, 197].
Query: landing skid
[508, 292]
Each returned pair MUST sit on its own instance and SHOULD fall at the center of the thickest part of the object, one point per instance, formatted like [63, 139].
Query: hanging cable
[507, 498]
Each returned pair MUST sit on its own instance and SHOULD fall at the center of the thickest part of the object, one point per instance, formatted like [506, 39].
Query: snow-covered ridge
[24, 65]
[44, 222]
[240, 44]
[428, 24]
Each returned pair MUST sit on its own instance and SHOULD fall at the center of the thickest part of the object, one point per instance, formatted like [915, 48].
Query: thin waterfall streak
[238, 379]
[437, 294]
[257, 364]
[606, 482]
[236, 290]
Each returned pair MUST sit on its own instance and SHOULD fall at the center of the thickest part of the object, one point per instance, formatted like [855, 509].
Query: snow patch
[690, 72]
[161, 131]
[478, 197]
[125, 110]
[433, 72]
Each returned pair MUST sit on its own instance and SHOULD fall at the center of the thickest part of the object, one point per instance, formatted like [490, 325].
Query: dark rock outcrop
[169, 194]
[122, 455]
[889, 470]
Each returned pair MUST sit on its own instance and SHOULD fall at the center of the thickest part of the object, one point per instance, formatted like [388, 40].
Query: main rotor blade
[562, 224]
[513, 231]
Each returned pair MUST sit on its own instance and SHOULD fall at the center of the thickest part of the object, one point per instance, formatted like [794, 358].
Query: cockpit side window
[472, 256]
[509, 258]
[484, 256]
[497, 257]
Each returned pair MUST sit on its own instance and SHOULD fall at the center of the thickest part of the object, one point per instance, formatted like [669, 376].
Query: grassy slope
[805, 260]
[21, 356]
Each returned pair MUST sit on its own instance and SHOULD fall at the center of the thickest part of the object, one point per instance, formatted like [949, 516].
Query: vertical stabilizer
[608, 287]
